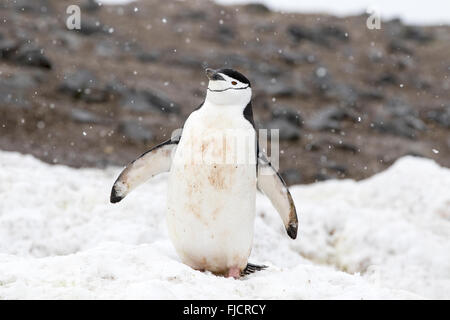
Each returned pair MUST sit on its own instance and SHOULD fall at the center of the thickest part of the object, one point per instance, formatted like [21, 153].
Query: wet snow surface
[385, 237]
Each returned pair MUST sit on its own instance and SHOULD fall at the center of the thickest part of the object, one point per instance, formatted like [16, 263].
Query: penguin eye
[233, 83]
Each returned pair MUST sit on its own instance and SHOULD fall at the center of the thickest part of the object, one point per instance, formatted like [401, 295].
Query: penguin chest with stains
[215, 160]
[212, 190]
[217, 153]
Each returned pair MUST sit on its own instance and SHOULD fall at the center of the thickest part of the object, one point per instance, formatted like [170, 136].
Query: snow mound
[431, 12]
[385, 237]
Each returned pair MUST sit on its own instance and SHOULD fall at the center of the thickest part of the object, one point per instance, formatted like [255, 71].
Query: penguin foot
[234, 272]
[251, 268]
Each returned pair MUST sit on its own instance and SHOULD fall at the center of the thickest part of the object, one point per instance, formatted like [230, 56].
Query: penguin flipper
[273, 186]
[251, 268]
[156, 160]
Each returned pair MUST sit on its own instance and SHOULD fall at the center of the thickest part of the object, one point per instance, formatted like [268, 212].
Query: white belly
[211, 204]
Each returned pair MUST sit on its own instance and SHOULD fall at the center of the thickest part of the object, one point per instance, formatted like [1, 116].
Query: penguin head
[228, 87]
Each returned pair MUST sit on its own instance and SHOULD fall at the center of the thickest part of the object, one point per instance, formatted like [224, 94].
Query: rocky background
[348, 100]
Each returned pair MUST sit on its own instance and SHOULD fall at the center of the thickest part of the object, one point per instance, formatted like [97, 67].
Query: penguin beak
[213, 75]
[210, 73]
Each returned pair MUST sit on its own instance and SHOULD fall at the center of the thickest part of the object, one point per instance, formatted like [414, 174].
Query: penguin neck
[210, 107]
[229, 97]
[224, 109]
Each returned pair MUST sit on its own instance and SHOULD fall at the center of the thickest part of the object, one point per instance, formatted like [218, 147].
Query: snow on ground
[385, 237]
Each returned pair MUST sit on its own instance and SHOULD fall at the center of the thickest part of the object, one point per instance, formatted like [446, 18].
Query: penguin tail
[251, 268]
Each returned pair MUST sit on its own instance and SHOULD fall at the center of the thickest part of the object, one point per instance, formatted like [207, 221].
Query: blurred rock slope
[348, 100]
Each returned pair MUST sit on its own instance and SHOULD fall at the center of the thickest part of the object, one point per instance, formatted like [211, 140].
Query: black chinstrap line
[228, 89]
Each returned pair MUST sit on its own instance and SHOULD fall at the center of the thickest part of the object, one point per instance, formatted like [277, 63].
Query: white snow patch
[61, 238]
[431, 12]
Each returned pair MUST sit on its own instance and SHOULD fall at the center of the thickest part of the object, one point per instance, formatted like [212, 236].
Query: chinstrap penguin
[215, 169]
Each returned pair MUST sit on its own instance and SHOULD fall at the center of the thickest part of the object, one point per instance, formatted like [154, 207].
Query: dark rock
[291, 176]
[150, 56]
[282, 86]
[403, 62]
[402, 110]
[83, 84]
[13, 88]
[321, 177]
[34, 6]
[323, 124]
[195, 15]
[268, 69]
[386, 78]
[417, 34]
[323, 84]
[323, 35]
[313, 146]
[14, 98]
[339, 168]
[321, 80]
[75, 83]
[397, 46]
[394, 28]
[68, 39]
[265, 28]
[440, 116]
[395, 127]
[19, 81]
[116, 88]
[329, 118]
[297, 58]
[90, 26]
[347, 147]
[128, 46]
[161, 102]
[89, 6]
[300, 89]
[401, 121]
[146, 100]
[225, 34]
[415, 123]
[335, 143]
[421, 83]
[287, 130]
[325, 87]
[415, 153]
[84, 116]
[256, 8]
[278, 89]
[32, 56]
[375, 55]
[334, 32]
[135, 132]
[7, 47]
[106, 48]
[371, 94]
[398, 107]
[345, 95]
[288, 114]
[136, 101]
[301, 33]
